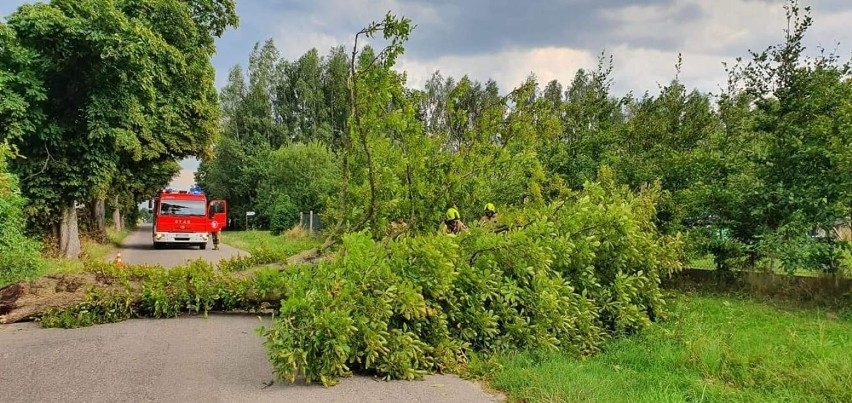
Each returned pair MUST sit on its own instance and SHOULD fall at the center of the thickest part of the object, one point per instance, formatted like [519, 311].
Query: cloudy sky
[508, 39]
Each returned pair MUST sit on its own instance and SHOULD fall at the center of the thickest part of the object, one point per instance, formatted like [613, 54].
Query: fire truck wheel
[202, 246]
[158, 245]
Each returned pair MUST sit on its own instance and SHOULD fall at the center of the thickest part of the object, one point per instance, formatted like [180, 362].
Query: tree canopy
[116, 89]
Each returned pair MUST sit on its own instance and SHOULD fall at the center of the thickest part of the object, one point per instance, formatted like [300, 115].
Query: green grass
[711, 349]
[92, 250]
[280, 246]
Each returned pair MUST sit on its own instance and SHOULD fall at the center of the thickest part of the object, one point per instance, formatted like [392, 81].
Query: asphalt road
[189, 359]
[138, 248]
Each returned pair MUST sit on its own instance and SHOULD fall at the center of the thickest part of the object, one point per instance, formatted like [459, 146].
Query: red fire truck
[185, 217]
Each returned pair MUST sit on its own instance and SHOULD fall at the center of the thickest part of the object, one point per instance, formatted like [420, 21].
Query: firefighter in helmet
[489, 218]
[453, 224]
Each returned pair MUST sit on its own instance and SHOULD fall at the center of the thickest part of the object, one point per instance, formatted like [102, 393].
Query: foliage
[145, 291]
[399, 171]
[277, 247]
[98, 308]
[233, 175]
[276, 111]
[111, 89]
[19, 255]
[793, 117]
[20, 89]
[283, 214]
[713, 348]
[735, 161]
[301, 178]
[566, 278]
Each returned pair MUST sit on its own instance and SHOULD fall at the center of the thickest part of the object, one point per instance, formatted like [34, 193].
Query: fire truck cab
[186, 218]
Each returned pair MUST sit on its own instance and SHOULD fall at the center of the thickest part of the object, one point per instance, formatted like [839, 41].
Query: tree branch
[44, 167]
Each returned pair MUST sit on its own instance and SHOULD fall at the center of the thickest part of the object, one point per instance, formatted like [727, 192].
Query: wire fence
[718, 249]
[311, 222]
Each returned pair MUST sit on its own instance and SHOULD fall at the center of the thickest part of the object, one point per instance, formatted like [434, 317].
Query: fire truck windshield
[182, 207]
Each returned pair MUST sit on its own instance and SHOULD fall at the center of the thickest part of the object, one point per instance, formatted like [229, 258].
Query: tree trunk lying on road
[310, 256]
[28, 299]
[31, 299]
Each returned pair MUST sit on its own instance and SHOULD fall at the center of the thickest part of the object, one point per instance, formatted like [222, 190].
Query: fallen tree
[105, 292]
[567, 276]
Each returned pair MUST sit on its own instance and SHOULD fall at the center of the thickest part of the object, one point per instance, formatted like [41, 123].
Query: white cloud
[640, 70]
[644, 39]
[831, 28]
[183, 180]
[635, 69]
[509, 68]
[699, 25]
[337, 22]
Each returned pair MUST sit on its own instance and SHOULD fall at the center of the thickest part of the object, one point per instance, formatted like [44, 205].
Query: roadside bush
[19, 255]
[301, 178]
[566, 277]
[283, 214]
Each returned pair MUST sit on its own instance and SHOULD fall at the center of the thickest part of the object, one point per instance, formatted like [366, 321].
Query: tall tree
[125, 81]
[590, 117]
[804, 125]
[335, 76]
[302, 100]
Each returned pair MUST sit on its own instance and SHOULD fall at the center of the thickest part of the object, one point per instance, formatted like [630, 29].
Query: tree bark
[117, 222]
[100, 215]
[98, 219]
[69, 233]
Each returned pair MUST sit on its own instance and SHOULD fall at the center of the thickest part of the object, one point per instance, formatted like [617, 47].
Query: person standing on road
[215, 227]
[215, 235]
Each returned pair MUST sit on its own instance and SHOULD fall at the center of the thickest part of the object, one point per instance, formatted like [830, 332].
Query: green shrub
[567, 278]
[283, 214]
[19, 255]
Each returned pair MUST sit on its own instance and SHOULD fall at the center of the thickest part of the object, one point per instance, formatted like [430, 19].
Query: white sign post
[248, 214]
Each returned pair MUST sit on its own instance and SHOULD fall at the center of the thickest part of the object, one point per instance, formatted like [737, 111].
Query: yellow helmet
[453, 214]
[490, 207]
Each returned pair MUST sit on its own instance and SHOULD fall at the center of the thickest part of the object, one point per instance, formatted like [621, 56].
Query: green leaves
[578, 272]
[19, 255]
[113, 91]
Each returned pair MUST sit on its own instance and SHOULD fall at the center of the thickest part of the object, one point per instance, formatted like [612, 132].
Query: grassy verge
[92, 250]
[280, 246]
[712, 348]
